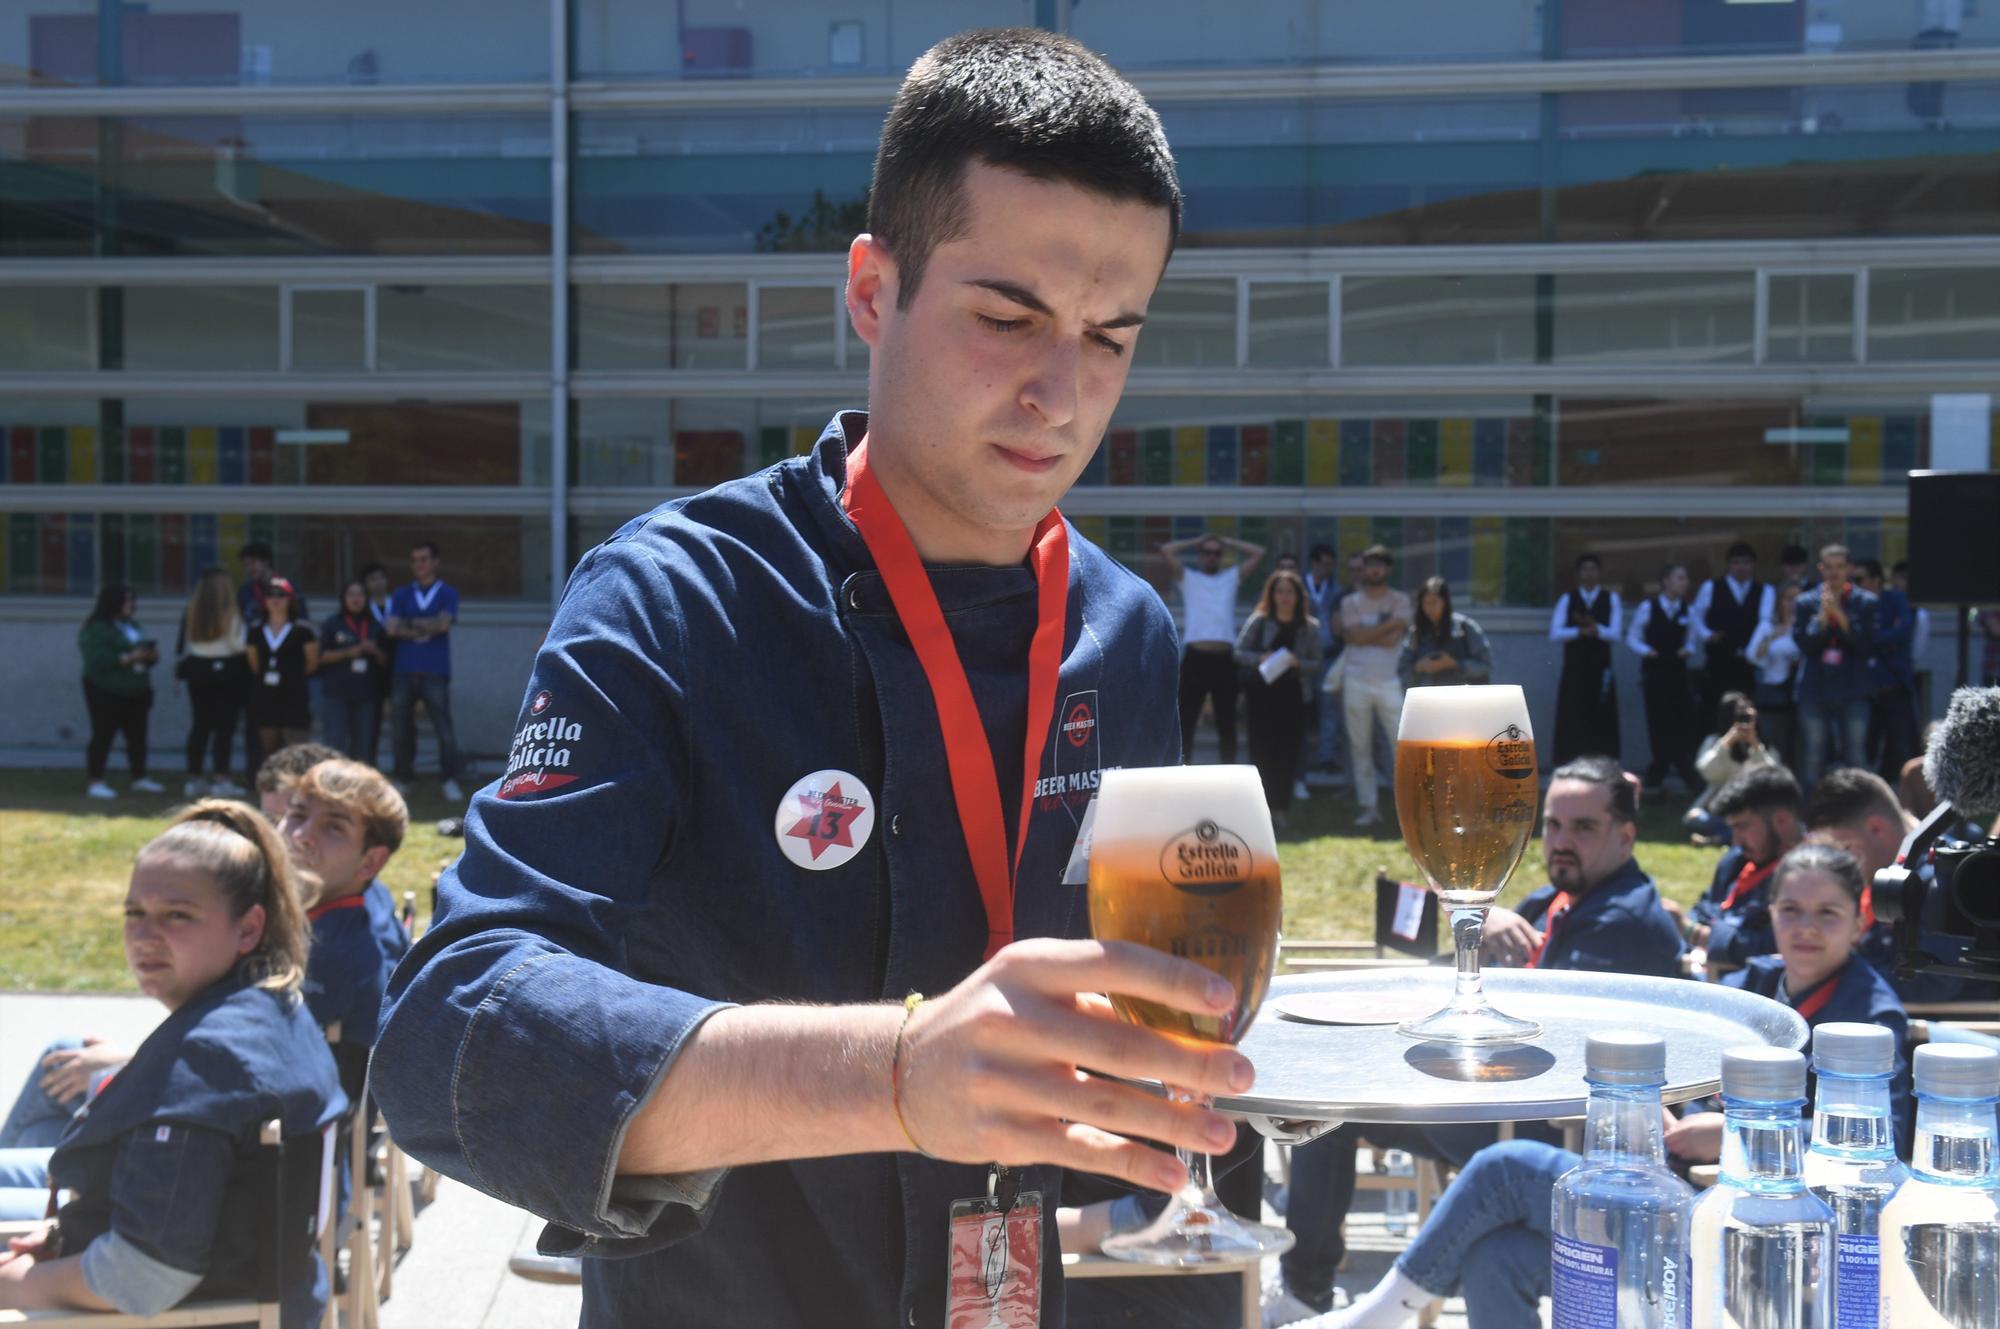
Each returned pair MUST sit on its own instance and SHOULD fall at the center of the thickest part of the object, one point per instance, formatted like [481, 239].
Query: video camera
[1948, 918]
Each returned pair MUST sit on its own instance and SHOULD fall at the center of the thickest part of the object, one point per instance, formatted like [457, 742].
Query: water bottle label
[1857, 1279]
[1583, 1284]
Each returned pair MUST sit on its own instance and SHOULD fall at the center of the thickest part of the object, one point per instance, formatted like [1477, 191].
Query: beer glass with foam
[1467, 796]
[1182, 859]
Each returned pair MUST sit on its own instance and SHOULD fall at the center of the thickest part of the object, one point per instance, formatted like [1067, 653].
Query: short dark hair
[1739, 550]
[431, 545]
[1794, 554]
[282, 769]
[367, 570]
[255, 549]
[1764, 789]
[1378, 554]
[1725, 709]
[1871, 567]
[1321, 549]
[1900, 568]
[1582, 559]
[1669, 568]
[1829, 860]
[1022, 99]
[1605, 772]
[1848, 796]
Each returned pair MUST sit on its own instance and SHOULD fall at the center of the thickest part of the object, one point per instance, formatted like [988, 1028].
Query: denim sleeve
[167, 1186]
[516, 1047]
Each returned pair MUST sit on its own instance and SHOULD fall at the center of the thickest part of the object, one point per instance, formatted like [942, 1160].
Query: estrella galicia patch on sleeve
[544, 749]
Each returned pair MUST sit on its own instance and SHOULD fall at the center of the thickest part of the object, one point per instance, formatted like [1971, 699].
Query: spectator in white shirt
[1585, 623]
[1727, 610]
[1775, 653]
[1373, 623]
[1208, 633]
[1663, 637]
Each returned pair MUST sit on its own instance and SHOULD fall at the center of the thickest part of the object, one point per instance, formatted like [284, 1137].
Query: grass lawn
[64, 860]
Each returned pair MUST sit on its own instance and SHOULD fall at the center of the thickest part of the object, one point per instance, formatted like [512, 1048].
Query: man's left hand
[1509, 940]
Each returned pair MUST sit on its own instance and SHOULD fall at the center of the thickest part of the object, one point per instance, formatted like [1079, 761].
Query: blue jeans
[24, 1184]
[1489, 1235]
[36, 1120]
[353, 727]
[1845, 721]
[435, 691]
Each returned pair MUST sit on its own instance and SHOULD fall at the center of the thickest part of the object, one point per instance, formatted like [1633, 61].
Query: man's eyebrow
[1027, 299]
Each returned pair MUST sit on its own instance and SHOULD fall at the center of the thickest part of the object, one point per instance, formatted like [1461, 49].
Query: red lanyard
[1550, 917]
[1821, 995]
[974, 784]
[317, 912]
[1748, 880]
[360, 630]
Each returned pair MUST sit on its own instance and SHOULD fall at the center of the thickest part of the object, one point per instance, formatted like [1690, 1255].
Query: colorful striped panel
[23, 547]
[1489, 559]
[1121, 535]
[1899, 447]
[1527, 573]
[1864, 538]
[1190, 455]
[82, 553]
[1455, 554]
[52, 455]
[1826, 462]
[1418, 553]
[1420, 465]
[1489, 452]
[83, 456]
[1156, 457]
[1390, 438]
[1864, 450]
[1099, 465]
[1288, 460]
[1455, 452]
[773, 445]
[232, 532]
[264, 456]
[1326, 454]
[55, 554]
[1520, 451]
[1357, 454]
[203, 456]
[142, 453]
[803, 439]
[202, 541]
[1092, 528]
[1256, 455]
[21, 455]
[1122, 467]
[1221, 452]
[172, 457]
[232, 448]
[142, 551]
[112, 542]
[174, 552]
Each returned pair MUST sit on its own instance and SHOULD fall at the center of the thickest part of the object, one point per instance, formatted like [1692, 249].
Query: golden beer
[1228, 922]
[1467, 810]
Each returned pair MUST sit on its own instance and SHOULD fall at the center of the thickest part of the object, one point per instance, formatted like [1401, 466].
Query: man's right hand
[67, 1073]
[994, 1070]
[1509, 940]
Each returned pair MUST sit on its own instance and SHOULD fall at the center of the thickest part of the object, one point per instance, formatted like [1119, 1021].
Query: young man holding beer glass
[804, 747]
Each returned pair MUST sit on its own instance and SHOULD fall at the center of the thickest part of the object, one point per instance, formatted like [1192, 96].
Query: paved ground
[455, 1275]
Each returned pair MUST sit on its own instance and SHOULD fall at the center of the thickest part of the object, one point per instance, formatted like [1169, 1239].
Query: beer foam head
[1157, 803]
[1463, 715]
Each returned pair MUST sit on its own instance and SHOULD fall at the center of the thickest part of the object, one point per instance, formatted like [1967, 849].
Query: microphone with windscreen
[1943, 894]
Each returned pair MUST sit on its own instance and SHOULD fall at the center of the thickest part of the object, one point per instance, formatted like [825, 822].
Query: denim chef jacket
[1619, 928]
[1860, 996]
[353, 952]
[625, 880]
[160, 1154]
[1743, 931]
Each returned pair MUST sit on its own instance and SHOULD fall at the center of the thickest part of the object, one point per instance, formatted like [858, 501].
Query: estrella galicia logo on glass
[1511, 754]
[1207, 859]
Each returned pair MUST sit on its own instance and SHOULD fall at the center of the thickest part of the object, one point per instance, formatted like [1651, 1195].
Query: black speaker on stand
[1954, 546]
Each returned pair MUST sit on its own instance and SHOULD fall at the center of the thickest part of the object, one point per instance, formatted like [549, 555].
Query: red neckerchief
[361, 631]
[974, 784]
[319, 911]
[1748, 880]
[1550, 917]
[1817, 999]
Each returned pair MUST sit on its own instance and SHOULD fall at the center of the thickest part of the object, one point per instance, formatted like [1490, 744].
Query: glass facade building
[1492, 281]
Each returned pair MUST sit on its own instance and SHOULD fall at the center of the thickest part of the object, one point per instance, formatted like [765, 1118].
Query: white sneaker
[452, 793]
[195, 789]
[1282, 1307]
[148, 787]
[1299, 791]
[224, 789]
[99, 789]
[1368, 817]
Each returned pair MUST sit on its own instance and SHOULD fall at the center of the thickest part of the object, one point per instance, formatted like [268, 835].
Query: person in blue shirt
[1892, 725]
[1599, 912]
[1765, 812]
[1835, 625]
[343, 824]
[420, 620]
[1818, 972]
[159, 1165]
[804, 964]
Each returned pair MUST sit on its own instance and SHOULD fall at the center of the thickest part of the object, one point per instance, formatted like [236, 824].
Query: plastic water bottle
[1852, 1163]
[1941, 1234]
[1618, 1249]
[1401, 1199]
[1762, 1242]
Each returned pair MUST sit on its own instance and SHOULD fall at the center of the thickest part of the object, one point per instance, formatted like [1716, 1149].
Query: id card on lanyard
[975, 786]
[271, 665]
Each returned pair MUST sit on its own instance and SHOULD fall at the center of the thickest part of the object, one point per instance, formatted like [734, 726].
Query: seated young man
[1765, 811]
[281, 770]
[343, 823]
[1599, 912]
[1858, 811]
[1488, 1236]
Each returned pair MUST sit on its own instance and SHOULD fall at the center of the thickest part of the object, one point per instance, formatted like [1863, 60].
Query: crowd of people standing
[252, 659]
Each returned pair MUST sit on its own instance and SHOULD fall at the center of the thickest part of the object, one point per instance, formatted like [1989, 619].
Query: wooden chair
[288, 1165]
[380, 1222]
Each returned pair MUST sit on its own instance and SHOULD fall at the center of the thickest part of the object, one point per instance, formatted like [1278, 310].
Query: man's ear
[871, 287]
[373, 859]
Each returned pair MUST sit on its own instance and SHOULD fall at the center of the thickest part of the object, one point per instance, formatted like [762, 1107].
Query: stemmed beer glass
[1182, 859]
[1466, 795]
